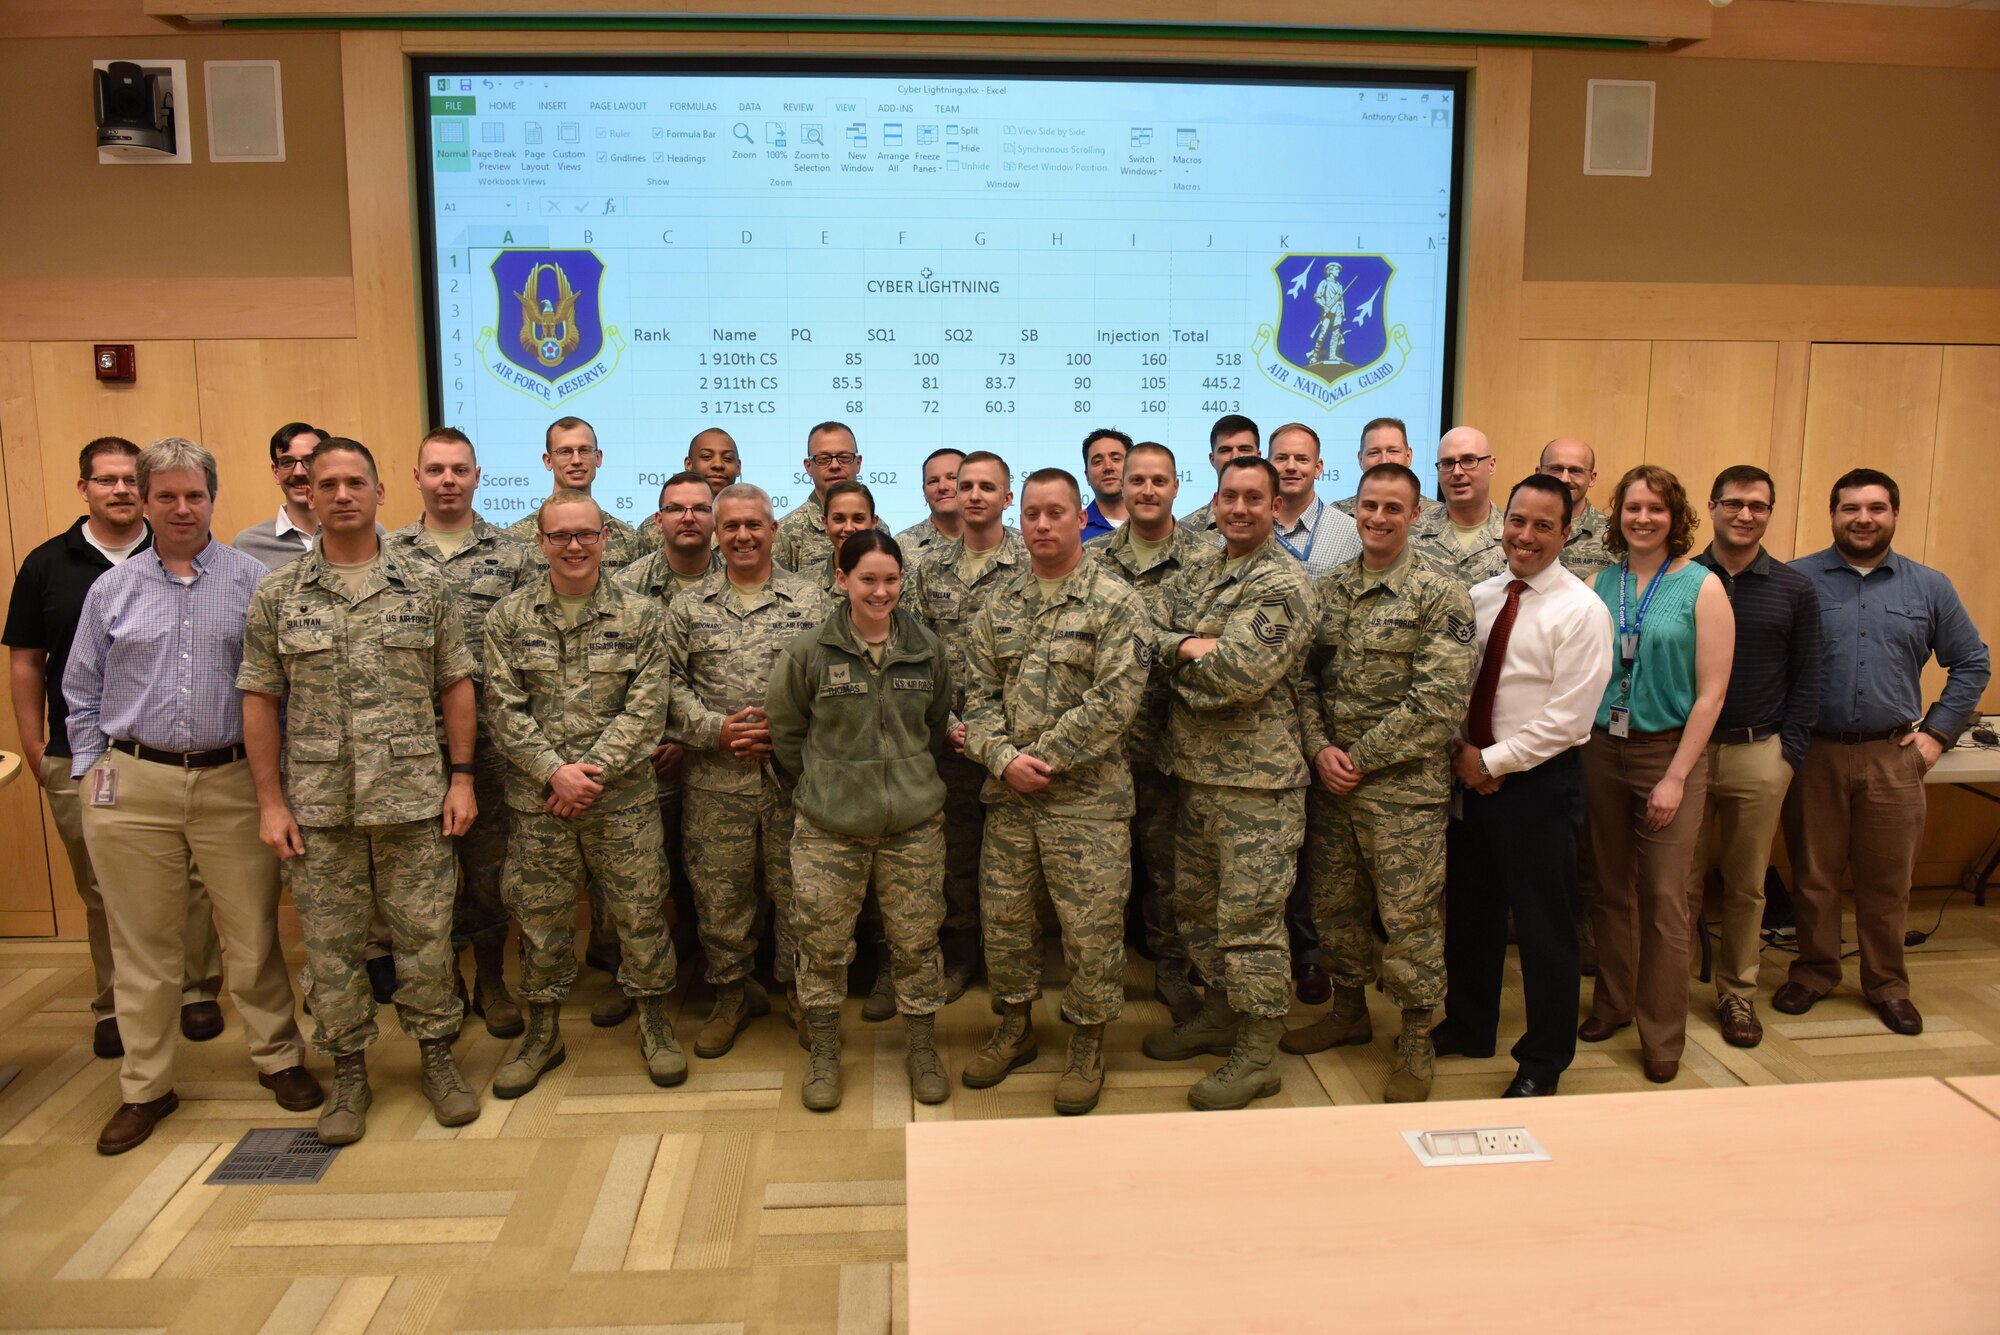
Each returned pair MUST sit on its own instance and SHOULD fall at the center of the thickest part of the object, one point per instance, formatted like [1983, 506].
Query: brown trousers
[1855, 812]
[1747, 782]
[1641, 914]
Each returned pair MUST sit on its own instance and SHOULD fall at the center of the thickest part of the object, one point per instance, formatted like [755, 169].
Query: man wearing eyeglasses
[576, 700]
[1574, 464]
[42, 618]
[686, 521]
[481, 565]
[289, 535]
[1760, 736]
[572, 455]
[831, 456]
[1463, 538]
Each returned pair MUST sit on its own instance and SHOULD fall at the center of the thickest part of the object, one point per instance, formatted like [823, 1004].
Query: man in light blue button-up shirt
[1856, 808]
[156, 731]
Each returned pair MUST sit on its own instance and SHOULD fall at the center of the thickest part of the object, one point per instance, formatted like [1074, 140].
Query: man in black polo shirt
[1760, 736]
[41, 622]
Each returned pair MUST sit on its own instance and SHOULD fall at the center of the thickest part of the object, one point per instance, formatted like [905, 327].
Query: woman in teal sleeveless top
[1646, 764]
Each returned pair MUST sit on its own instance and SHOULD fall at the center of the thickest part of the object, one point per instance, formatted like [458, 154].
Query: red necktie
[1479, 718]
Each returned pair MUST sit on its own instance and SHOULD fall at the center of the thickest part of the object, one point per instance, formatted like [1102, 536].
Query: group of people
[1342, 742]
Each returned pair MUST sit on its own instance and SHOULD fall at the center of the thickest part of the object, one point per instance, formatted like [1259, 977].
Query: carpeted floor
[599, 1202]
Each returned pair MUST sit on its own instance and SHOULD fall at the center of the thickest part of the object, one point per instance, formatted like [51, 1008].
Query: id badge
[103, 786]
[1621, 721]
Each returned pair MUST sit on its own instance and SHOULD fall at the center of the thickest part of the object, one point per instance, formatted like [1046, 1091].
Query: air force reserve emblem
[549, 339]
[1333, 340]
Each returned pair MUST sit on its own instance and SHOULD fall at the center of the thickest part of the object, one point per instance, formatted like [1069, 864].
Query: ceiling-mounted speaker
[1618, 128]
[246, 111]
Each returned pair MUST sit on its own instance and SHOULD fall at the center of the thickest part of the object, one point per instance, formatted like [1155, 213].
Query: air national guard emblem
[549, 339]
[1333, 340]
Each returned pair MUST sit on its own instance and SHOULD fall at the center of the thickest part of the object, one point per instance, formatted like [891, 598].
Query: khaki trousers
[168, 823]
[1747, 782]
[1641, 914]
[201, 980]
[1855, 812]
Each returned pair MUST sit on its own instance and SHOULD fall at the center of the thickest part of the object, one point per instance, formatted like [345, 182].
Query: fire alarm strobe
[115, 361]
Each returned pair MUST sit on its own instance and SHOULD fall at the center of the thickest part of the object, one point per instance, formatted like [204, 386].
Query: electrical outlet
[1489, 1144]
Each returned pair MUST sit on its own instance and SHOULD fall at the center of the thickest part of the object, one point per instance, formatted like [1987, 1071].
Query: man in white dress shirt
[1544, 656]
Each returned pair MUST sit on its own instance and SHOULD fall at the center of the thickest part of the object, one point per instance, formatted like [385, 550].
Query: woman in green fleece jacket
[858, 711]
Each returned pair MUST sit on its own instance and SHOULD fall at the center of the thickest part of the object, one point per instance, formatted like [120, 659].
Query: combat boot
[736, 1005]
[541, 1051]
[1012, 1045]
[665, 1062]
[613, 1004]
[1410, 1079]
[926, 1068]
[452, 1101]
[821, 1091]
[1347, 1023]
[489, 986]
[1212, 1029]
[1250, 1073]
[1171, 987]
[346, 1115]
[881, 1003]
[1083, 1079]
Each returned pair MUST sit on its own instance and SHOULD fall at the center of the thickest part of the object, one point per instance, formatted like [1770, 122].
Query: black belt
[1744, 736]
[1853, 738]
[221, 755]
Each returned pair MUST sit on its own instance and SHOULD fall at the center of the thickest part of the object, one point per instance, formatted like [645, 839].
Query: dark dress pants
[1516, 848]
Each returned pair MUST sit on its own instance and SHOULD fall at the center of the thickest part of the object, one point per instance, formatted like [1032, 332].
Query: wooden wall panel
[27, 904]
[1595, 391]
[1495, 234]
[73, 406]
[1871, 405]
[1708, 405]
[1959, 534]
[1788, 441]
[250, 387]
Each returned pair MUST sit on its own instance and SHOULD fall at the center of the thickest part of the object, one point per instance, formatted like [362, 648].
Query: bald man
[1574, 464]
[1463, 537]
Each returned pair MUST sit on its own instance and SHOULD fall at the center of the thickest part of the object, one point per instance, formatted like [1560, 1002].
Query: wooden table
[10, 767]
[1865, 1205]
[1983, 1090]
[1967, 766]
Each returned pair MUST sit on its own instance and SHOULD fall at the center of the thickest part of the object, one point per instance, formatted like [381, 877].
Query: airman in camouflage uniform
[945, 591]
[581, 686]
[369, 663]
[858, 711]
[1387, 682]
[1234, 635]
[688, 534]
[801, 544]
[1150, 485]
[570, 452]
[484, 566]
[1465, 465]
[1058, 663]
[723, 635]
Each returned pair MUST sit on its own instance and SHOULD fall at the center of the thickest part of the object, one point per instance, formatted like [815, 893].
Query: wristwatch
[463, 767]
[1943, 738]
[1482, 764]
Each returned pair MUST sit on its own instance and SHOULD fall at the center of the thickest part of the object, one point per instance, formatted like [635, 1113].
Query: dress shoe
[1530, 1087]
[381, 978]
[294, 1088]
[1900, 1016]
[104, 1039]
[1795, 998]
[1737, 1017]
[133, 1122]
[1447, 1040]
[1660, 1070]
[200, 1021]
[1594, 1030]
[1311, 984]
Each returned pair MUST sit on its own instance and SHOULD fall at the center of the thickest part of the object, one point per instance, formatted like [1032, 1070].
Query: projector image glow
[135, 111]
